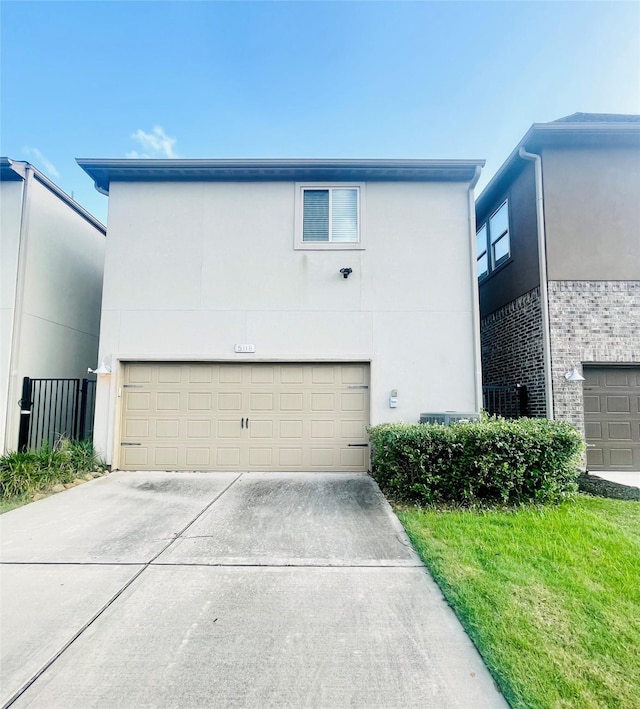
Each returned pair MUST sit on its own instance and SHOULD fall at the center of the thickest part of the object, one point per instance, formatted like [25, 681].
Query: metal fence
[54, 408]
[511, 402]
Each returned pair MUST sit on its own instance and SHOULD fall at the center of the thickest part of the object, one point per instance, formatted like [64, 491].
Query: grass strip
[550, 596]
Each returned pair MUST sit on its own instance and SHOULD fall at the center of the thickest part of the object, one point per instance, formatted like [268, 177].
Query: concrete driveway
[223, 590]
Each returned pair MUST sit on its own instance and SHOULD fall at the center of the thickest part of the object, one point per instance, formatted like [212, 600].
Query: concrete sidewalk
[224, 590]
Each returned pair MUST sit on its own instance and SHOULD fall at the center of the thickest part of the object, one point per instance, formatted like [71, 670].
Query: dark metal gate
[55, 408]
[510, 402]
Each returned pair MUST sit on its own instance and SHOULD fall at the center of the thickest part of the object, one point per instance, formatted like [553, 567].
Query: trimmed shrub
[492, 461]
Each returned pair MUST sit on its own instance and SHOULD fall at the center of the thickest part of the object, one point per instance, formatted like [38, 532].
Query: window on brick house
[493, 245]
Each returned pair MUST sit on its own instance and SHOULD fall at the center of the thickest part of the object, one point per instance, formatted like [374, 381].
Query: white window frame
[299, 243]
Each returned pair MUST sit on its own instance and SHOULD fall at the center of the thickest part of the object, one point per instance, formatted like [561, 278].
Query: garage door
[193, 416]
[612, 417]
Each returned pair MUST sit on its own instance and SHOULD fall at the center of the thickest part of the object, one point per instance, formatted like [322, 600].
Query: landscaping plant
[24, 473]
[493, 461]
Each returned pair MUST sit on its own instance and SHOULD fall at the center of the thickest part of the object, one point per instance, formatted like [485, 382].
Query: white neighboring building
[51, 260]
[234, 339]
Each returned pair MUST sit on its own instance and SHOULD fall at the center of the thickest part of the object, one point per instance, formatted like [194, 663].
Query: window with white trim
[329, 216]
[493, 244]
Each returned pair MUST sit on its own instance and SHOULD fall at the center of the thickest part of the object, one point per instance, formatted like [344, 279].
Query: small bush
[33, 471]
[491, 461]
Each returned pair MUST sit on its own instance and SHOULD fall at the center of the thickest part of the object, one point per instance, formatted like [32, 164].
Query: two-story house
[260, 314]
[51, 262]
[558, 254]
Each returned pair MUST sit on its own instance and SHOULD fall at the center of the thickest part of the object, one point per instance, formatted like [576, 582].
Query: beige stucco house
[260, 314]
[51, 260]
[558, 249]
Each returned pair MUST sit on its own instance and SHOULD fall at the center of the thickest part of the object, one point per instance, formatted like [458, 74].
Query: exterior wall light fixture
[103, 369]
[574, 376]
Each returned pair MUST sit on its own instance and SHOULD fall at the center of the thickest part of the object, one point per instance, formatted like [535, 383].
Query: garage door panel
[168, 429]
[619, 431]
[136, 428]
[353, 401]
[135, 457]
[622, 457]
[323, 458]
[168, 401]
[227, 457]
[199, 428]
[249, 416]
[169, 375]
[260, 457]
[198, 457]
[229, 401]
[137, 401]
[612, 422]
[139, 374]
[229, 428]
[292, 402]
[288, 428]
[291, 375]
[260, 429]
[617, 405]
[354, 374]
[200, 401]
[260, 401]
[290, 457]
[323, 429]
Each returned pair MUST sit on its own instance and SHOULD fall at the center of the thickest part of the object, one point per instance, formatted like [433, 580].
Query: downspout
[475, 298]
[544, 293]
[18, 305]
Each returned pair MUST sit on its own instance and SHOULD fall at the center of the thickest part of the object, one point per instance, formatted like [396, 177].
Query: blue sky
[302, 79]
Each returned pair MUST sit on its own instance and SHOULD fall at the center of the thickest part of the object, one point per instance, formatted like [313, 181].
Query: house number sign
[245, 348]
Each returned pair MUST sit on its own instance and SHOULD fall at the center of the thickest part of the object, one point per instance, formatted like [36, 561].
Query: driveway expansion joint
[14, 697]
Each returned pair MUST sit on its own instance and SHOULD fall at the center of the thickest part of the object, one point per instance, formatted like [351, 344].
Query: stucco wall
[10, 209]
[194, 268]
[592, 213]
[59, 328]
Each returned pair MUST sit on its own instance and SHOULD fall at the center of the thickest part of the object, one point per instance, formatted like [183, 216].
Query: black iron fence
[511, 402]
[55, 408]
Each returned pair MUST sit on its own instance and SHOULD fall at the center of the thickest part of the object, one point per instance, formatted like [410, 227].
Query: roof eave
[105, 171]
[541, 135]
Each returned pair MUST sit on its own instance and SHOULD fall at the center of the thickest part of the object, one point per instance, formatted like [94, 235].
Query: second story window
[493, 246]
[329, 216]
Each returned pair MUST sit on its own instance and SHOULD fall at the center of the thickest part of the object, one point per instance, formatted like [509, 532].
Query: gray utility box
[449, 417]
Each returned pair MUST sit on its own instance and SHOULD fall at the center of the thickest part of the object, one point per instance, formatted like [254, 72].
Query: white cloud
[156, 144]
[46, 164]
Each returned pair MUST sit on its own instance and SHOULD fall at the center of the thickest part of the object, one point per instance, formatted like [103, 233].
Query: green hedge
[489, 461]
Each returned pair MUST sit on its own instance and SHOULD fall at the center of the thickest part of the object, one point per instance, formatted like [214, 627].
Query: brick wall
[511, 340]
[591, 321]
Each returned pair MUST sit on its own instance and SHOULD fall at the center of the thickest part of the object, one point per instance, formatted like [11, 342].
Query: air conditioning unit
[448, 417]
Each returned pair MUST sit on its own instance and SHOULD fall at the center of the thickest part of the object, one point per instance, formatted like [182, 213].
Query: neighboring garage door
[612, 417]
[196, 416]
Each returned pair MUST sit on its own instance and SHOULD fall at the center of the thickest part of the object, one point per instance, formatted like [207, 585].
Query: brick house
[558, 260]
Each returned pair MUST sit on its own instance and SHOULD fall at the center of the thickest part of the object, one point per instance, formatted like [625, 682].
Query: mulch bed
[593, 485]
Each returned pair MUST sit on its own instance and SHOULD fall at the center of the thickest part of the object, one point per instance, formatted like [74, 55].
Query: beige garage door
[612, 417]
[193, 416]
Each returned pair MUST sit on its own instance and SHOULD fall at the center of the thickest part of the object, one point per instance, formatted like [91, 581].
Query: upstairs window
[493, 246]
[481, 251]
[329, 216]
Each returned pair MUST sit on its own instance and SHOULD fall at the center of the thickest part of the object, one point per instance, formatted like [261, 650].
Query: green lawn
[550, 595]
